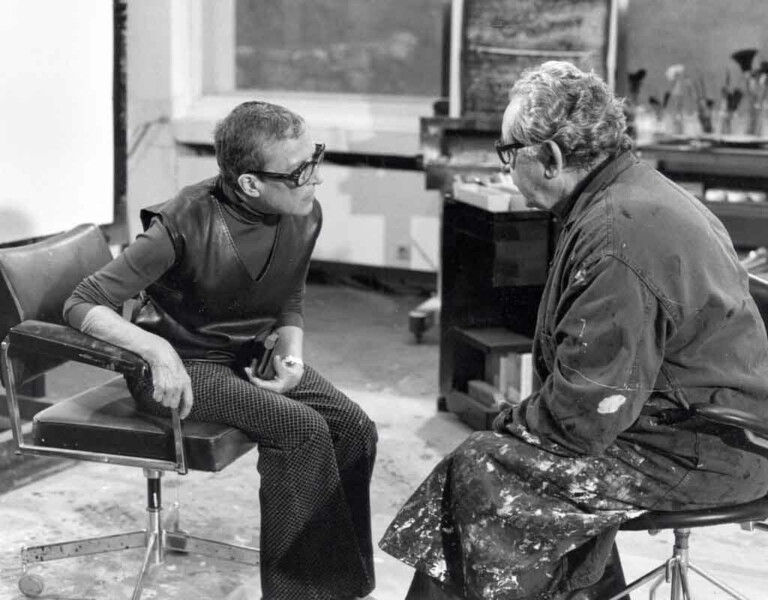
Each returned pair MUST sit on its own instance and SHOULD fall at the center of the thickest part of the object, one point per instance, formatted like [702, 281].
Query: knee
[357, 438]
[473, 449]
[300, 428]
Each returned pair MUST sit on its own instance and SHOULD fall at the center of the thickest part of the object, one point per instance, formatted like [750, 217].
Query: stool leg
[657, 573]
[680, 556]
[715, 581]
[683, 568]
[655, 586]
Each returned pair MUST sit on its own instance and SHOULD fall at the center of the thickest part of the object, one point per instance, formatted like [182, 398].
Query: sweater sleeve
[608, 349]
[292, 312]
[139, 265]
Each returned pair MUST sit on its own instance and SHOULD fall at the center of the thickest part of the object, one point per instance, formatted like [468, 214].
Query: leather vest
[207, 305]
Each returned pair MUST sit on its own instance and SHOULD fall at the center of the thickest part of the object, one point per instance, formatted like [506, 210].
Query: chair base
[156, 539]
[675, 572]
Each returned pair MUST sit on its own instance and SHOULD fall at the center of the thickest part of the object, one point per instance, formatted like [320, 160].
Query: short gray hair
[575, 109]
[240, 138]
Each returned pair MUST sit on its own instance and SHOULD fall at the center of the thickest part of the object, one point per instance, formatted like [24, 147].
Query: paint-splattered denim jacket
[646, 309]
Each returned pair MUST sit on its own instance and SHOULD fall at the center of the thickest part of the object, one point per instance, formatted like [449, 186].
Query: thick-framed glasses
[508, 152]
[302, 174]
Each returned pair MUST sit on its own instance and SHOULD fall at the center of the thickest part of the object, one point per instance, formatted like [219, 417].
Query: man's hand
[170, 380]
[499, 424]
[288, 373]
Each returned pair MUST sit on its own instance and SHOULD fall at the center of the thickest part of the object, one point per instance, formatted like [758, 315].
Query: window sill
[346, 123]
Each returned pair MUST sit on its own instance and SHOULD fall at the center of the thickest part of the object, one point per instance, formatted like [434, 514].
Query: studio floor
[359, 339]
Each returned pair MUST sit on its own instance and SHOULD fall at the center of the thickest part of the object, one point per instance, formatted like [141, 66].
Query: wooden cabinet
[494, 267]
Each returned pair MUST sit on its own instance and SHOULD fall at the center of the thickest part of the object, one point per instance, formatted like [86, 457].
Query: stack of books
[509, 379]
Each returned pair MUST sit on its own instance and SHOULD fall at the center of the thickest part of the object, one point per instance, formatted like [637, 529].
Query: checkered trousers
[316, 454]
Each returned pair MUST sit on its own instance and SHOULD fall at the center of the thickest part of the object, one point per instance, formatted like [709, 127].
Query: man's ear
[553, 165]
[250, 184]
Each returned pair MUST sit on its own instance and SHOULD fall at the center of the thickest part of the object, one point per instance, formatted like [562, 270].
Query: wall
[56, 118]
[374, 217]
[701, 34]
[371, 216]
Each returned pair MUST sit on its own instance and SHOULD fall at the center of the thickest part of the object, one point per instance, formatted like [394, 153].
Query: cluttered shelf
[746, 158]
[730, 176]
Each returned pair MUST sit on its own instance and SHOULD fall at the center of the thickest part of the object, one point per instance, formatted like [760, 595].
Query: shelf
[494, 340]
[473, 413]
[739, 209]
[749, 162]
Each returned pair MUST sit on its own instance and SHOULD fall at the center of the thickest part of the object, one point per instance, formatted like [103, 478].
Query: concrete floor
[359, 339]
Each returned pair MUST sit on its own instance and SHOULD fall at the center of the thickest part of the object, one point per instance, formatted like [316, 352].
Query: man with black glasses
[646, 310]
[219, 269]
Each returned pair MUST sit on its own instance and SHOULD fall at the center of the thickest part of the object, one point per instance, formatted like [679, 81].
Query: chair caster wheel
[31, 585]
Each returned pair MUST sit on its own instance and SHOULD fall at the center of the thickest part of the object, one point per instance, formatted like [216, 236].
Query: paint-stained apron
[507, 516]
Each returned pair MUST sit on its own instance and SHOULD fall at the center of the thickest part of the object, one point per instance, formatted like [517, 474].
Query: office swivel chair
[750, 515]
[100, 424]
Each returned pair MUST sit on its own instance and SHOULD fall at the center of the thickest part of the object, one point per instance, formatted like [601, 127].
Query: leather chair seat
[105, 419]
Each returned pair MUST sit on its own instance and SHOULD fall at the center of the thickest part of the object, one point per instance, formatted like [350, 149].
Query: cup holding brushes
[757, 91]
[676, 77]
[754, 87]
[731, 98]
[704, 105]
[633, 101]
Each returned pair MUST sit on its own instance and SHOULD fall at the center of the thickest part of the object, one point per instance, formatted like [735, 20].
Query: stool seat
[105, 419]
[756, 510]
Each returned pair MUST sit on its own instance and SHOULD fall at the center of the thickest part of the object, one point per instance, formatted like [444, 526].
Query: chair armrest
[67, 343]
[732, 417]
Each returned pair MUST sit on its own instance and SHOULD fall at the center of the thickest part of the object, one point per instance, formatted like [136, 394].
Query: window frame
[346, 123]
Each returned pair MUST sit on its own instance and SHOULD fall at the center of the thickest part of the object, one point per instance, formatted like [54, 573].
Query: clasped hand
[171, 384]
[287, 375]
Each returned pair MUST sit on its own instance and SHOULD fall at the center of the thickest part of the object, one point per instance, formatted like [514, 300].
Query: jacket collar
[589, 188]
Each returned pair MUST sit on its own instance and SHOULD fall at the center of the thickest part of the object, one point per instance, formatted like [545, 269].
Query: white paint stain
[579, 277]
[611, 404]
[583, 327]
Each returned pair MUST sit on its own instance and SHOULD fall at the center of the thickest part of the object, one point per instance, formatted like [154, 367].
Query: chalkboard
[501, 38]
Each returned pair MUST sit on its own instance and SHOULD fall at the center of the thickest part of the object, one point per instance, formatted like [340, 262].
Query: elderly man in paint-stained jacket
[646, 310]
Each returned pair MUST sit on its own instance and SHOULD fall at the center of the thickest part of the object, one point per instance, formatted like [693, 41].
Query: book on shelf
[512, 374]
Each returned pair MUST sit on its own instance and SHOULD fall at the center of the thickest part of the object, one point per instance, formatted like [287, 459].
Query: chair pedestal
[156, 539]
[675, 572]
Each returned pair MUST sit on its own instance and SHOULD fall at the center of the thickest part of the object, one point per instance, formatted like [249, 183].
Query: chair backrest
[36, 279]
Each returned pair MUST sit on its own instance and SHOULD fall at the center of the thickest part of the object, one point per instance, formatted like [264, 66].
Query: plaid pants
[316, 454]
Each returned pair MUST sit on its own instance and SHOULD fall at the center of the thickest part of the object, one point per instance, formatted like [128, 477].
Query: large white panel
[425, 241]
[347, 237]
[56, 117]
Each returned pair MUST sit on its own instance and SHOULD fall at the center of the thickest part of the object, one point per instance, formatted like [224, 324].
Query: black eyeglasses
[302, 174]
[508, 152]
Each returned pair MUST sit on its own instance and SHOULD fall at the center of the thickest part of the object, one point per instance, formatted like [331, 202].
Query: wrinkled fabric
[646, 310]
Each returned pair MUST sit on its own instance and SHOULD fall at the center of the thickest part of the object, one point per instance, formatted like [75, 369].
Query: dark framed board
[494, 41]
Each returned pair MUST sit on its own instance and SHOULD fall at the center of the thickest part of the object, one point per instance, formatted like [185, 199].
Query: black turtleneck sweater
[152, 254]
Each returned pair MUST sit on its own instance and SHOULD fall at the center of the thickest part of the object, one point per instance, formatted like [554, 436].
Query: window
[361, 72]
[340, 46]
